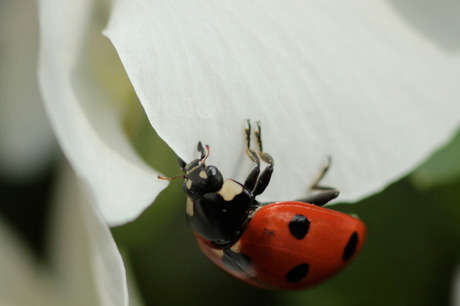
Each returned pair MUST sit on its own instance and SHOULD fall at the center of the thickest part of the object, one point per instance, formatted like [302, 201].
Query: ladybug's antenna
[171, 178]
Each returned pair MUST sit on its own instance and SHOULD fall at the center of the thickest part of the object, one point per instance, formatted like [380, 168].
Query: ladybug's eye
[211, 171]
[214, 178]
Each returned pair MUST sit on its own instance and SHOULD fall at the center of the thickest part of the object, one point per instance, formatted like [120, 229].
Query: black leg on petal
[251, 179]
[257, 182]
[325, 194]
[263, 181]
[322, 197]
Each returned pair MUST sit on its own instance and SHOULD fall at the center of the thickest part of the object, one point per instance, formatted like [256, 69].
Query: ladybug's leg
[256, 181]
[264, 178]
[251, 179]
[325, 193]
[201, 149]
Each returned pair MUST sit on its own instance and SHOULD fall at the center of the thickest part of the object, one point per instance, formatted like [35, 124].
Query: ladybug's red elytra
[277, 246]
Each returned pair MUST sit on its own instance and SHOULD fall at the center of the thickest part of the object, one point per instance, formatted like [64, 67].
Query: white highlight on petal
[372, 90]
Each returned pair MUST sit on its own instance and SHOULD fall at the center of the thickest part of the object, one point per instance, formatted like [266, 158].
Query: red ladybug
[277, 246]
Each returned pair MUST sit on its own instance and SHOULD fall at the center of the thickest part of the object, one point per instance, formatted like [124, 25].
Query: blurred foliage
[442, 167]
[25, 207]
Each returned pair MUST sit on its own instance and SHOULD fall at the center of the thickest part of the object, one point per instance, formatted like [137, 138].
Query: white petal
[86, 122]
[86, 267]
[22, 281]
[89, 265]
[26, 140]
[352, 79]
[455, 290]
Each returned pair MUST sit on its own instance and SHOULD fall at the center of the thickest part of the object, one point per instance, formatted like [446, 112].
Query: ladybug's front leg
[256, 181]
[325, 194]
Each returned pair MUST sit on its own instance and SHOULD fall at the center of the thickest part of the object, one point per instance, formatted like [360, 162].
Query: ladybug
[277, 246]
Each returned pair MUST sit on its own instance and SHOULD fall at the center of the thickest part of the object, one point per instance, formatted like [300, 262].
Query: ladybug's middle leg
[256, 181]
[251, 179]
[325, 193]
[265, 176]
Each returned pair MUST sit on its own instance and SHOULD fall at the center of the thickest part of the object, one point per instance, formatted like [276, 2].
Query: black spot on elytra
[236, 261]
[350, 248]
[297, 273]
[299, 226]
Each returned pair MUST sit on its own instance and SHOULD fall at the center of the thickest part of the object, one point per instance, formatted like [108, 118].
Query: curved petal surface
[83, 250]
[86, 122]
[86, 267]
[324, 78]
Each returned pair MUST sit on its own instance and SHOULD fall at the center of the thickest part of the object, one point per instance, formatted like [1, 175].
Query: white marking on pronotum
[189, 207]
[203, 174]
[230, 189]
[188, 184]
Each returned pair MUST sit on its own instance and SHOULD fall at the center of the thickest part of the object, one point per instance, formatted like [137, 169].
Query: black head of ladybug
[199, 177]
[217, 209]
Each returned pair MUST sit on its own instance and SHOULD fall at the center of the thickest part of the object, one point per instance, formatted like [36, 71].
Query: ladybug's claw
[263, 155]
[258, 134]
[322, 173]
[315, 185]
[250, 152]
[247, 131]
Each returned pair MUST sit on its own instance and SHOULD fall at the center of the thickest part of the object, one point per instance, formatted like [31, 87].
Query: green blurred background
[409, 258]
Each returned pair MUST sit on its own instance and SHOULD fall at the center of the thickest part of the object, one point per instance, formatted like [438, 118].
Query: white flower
[362, 81]
[85, 266]
[455, 289]
[368, 89]
[26, 141]
[84, 115]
